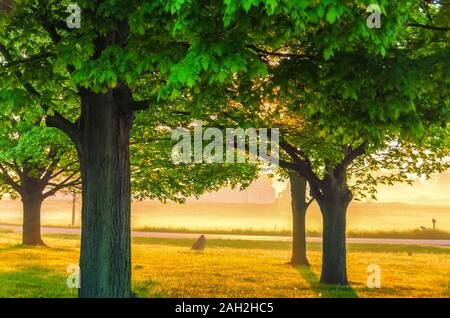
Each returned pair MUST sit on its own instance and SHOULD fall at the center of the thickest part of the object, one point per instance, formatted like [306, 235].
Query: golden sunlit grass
[427, 234]
[167, 268]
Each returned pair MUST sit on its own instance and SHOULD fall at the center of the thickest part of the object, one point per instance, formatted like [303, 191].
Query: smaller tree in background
[334, 115]
[299, 203]
[74, 192]
[35, 163]
[399, 162]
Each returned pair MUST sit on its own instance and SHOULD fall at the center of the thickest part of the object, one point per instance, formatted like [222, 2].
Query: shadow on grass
[15, 247]
[34, 282]
[325, 291]
[144, 289]
[40, 282]
[19, 247]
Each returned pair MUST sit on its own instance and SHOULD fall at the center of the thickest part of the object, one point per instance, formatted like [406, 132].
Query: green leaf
[331, 15]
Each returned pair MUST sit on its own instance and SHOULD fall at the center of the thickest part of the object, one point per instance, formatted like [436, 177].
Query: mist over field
[265, 205]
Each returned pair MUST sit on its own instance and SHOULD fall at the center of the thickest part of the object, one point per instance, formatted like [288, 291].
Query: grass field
[227, 268]
[427, 234]
[399, 234]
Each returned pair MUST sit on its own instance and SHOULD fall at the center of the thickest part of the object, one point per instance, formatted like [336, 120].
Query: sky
[435, 191]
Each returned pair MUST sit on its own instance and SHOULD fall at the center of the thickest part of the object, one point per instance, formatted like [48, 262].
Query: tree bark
[334, 263]
[299, 208]
[333, 206]
[105, 261]
[32, 198]
[31, 233]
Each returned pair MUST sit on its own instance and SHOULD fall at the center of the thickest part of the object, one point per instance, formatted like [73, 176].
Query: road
[62, 230]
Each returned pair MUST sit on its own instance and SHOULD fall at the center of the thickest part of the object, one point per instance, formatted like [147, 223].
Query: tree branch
[63, 124]
[29, 59]
[63, 184]
[352, 155]
[302, 165]
[56, 120]
[273, 53]
[431, 27]
[309, 202]
[62, 170]
[139, 105]
[9, 180]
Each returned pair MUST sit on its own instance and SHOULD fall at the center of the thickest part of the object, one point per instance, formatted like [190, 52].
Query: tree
[84, 81]
[35, 163]
[279, 30]
[300, 204]
[350, 103]
[340, 138]
[89, 82]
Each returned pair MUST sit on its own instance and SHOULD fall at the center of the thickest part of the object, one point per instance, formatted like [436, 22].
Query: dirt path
[62, 230]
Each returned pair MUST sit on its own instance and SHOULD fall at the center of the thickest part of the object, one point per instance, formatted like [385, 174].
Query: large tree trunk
[334, 264]
[105, 261]
[299, 208]
[333, 206]
[31, 234]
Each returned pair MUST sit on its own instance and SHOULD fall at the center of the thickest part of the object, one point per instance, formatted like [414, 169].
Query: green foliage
[393, 99]
[153, 173]
[37, 154]
[338, 81]
[153, 59]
